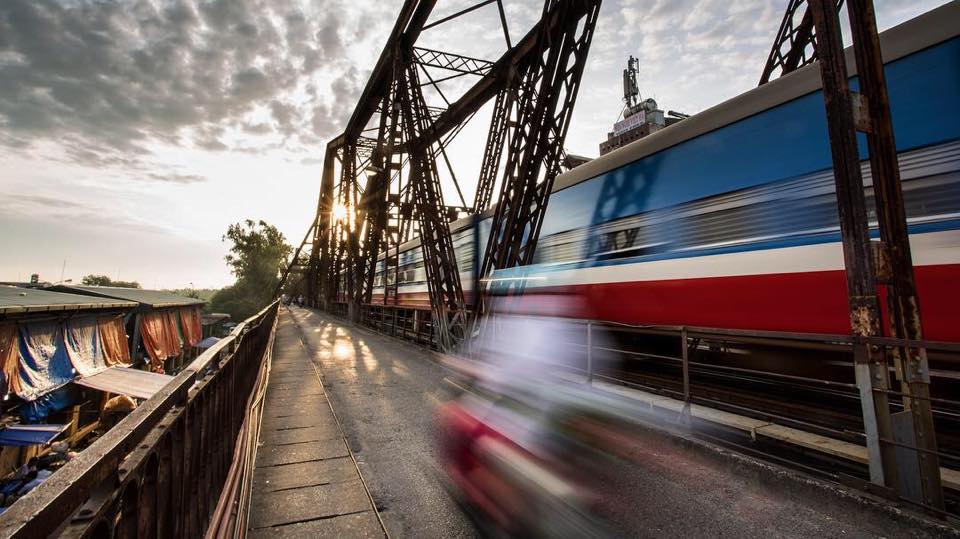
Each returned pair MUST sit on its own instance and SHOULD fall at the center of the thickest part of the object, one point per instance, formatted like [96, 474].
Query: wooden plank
[830, 446]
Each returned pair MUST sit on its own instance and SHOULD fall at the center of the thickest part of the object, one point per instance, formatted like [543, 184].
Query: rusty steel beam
[451, 62]
[915, 475]
[547, 91]
[443, 277]
[795, 45]
[870, 363]
[460, 13]
[902, 300]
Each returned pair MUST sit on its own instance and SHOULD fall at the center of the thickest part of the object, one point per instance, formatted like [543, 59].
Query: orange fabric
[173, 328]
[10, 358]
[159, 333]
[113, 340]
[190, 324]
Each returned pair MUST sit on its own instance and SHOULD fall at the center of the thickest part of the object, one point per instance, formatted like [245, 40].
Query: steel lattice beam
[390, 184]
[795, 45]
[451, 61]
[493, 150]
[546, 94]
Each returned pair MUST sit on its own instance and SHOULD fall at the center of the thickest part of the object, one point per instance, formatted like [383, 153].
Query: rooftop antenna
[631, 90]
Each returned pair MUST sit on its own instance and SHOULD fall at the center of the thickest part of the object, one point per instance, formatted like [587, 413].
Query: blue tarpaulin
[84, 349]
[24, 435]
[207, 343]
[39, 409]
[44, 363]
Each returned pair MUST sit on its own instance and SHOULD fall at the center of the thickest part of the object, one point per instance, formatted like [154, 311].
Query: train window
[803, 207]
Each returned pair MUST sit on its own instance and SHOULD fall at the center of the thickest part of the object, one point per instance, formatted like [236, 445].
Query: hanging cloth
[190, 323]
[172, 327]
[9, 359]
[113, 341]
[44, 364]
[159, 333]
[82, 340]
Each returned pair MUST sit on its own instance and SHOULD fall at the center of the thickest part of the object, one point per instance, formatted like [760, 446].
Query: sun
[339, 212]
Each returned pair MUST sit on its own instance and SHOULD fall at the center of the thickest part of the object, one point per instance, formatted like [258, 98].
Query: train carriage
[728, 219]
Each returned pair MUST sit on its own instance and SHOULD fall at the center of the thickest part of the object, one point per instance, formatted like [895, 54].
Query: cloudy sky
[133, 133]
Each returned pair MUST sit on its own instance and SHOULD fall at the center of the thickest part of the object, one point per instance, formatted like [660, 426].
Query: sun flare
[339, 212]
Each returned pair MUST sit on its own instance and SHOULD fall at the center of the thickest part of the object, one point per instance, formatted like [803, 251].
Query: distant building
[213, 324]
[641, 117]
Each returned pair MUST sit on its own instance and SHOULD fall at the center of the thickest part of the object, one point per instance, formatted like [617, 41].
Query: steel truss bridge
[381, 186]
[384, 168]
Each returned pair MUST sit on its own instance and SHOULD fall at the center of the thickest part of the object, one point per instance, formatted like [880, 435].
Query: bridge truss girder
[388, 175]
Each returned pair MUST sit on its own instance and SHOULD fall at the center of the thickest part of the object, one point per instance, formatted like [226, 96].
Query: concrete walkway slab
[305, 483]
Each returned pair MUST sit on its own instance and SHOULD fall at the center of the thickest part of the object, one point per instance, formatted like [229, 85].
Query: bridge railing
[160, 471]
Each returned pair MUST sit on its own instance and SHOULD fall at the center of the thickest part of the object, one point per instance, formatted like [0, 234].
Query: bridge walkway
[306, 483]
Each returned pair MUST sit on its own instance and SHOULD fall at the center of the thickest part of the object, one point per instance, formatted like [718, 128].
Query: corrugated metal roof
[126, 381]
[210, 318]
[152, 298]
[14, 300]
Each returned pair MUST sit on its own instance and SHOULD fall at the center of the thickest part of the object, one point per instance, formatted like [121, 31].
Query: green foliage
[104, 280]
[257, 258]
[206, 294]
[238, 300]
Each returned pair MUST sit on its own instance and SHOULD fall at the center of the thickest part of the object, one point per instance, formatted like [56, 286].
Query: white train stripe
[928, 249]
[933, 248]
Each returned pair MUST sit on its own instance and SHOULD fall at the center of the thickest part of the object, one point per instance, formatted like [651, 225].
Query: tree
[104, 280]
[257, 258]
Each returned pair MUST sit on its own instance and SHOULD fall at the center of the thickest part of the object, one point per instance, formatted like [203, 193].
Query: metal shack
[164, 328]
[64, 362]
[47, 341]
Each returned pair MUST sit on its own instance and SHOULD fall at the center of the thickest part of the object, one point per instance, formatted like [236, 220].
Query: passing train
[728, 219]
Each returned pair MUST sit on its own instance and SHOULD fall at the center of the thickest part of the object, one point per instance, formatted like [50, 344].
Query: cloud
[113, 79]
[32, 207]
[19, 200]
[175, 177]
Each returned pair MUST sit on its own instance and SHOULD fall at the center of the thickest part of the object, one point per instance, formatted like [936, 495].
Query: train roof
[926, 30]
[921, 32]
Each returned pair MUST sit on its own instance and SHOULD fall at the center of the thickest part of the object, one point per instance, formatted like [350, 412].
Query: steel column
[903, 305]
[318, 274]
[870, 363]
[443, 276]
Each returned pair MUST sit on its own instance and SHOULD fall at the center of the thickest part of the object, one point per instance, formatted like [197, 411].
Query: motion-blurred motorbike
[523, 460]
